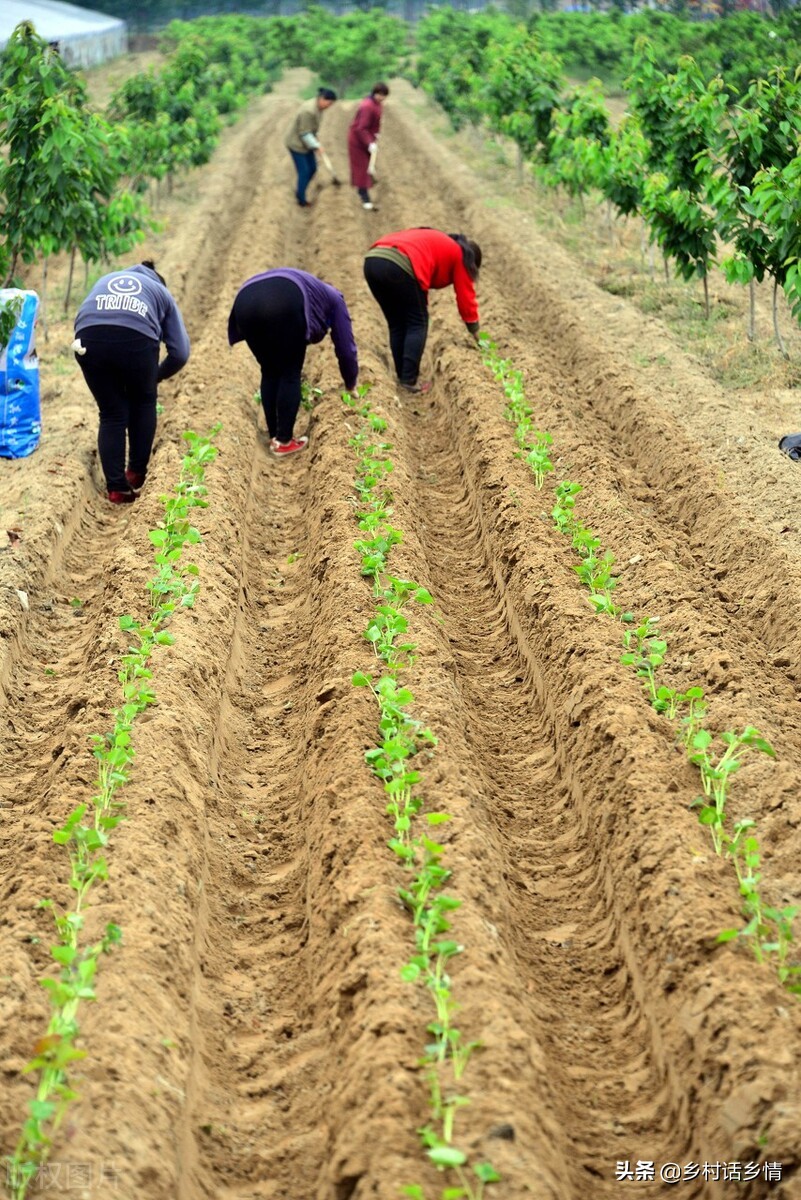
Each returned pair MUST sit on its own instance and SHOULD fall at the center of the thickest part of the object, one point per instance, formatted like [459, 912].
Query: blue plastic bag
[20, 412]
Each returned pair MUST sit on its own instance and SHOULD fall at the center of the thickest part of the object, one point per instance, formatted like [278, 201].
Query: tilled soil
[253, 1037]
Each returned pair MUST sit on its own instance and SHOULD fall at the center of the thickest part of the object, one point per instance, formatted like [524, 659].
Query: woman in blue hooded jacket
[119, 328]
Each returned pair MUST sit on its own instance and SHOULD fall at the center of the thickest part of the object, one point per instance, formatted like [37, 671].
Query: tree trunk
[751, 310]
[11, 270]
[519, 164]
[69, 281]
[43, 307]
[776, 329]
[706, 297]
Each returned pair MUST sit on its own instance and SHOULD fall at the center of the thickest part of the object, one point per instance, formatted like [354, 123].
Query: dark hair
[326, 94]
[471, 253]
[379, 89]
[148, 262]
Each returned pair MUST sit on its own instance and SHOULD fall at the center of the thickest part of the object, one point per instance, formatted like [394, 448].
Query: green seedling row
[87, 830]
[768, 930]
[402, 741]
[532, 443]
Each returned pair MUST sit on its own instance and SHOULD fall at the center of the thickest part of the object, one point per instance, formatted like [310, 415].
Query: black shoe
[790, 445]
[418, 388]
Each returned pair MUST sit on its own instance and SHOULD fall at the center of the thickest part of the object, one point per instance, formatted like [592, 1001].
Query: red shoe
[418, 388]
[122, 497]
[135, 479]
[279, 449]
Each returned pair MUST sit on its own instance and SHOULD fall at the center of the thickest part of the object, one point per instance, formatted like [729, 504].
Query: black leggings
[271, 318]
[120, 367]
[403, 303]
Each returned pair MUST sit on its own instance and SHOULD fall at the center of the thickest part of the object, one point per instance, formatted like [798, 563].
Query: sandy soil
[252, 1036]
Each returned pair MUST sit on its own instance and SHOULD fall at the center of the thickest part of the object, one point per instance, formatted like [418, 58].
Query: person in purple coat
[278, 314]
[119, 329]
[363, 141]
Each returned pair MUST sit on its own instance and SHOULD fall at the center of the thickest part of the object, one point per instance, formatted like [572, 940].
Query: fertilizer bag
[20, 414]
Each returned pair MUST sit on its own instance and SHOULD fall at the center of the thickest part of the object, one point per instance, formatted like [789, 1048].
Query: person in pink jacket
[363, 141]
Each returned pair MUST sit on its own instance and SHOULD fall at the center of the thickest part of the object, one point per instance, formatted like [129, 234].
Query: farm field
[253, 1038]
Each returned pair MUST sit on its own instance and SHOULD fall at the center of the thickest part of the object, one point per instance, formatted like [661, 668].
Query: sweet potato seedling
[401, 738]
[717, 772]
[86, 831]
[768, 929]
[532, 443]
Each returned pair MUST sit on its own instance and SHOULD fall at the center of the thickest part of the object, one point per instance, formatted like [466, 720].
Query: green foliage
[60, 180]
[578, 142]
[683, 228]
[623, 166]
[695, 116]
[764, 127]
[776, 204]
[755, 192]
[682, 119]
[9, 315]
[522, 90]
[741, 47]
[172, 119]
[649, 99]
[454, 53]
[354, 50]
[769, 930]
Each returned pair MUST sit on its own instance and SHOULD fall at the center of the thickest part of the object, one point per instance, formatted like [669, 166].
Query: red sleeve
[367, 122]
[465, 293]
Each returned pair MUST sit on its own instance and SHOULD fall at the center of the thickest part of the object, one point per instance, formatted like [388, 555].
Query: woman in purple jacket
[279, 313]
[120, 326]
[363, 141]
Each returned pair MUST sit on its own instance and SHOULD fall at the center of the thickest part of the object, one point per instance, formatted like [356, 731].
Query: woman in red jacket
[400, 269]
[363, 141]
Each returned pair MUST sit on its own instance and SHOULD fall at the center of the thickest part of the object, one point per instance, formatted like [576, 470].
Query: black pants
[121, 367]
[271, 318]
[404, 304]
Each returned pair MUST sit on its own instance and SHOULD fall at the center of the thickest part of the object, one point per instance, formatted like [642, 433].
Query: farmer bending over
[400, 269]
[279, 313]
[119, 328]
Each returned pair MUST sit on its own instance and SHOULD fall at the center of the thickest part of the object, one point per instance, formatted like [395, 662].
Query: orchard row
[703, 163]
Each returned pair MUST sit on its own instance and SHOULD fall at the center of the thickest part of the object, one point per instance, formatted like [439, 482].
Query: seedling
[538, 459]
[562, 511]
[716, 773]
[308, 395]
[532, 443]
[86, 832]
[402, 737]
[769, 930]
[645, 651]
